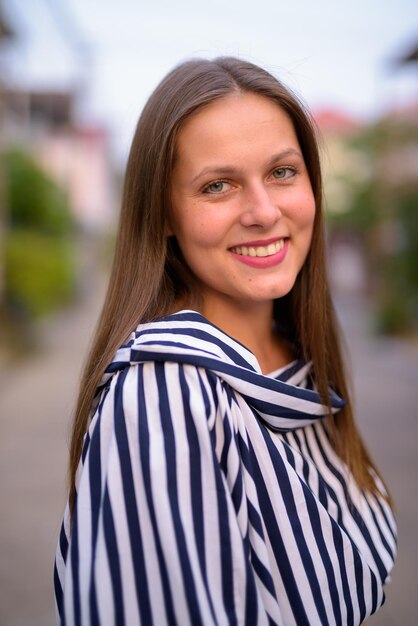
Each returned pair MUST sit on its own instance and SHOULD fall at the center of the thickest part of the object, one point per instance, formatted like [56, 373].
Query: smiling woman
[242, 206]
[217, 475]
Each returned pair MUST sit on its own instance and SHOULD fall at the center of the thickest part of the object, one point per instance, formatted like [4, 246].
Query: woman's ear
[168, 231]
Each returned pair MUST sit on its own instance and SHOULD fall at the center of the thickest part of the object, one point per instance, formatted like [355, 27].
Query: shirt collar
[189, 338]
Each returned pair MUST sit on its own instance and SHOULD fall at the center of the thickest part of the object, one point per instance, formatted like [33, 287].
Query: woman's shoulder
[181, 360]
[181, 341]
[185, 346]
[185, 337]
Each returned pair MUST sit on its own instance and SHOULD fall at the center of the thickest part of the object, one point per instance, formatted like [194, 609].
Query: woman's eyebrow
[284, 154]
[227, 170]
[215, 170]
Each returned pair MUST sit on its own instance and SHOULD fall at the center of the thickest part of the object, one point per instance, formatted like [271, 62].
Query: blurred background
[73, 79]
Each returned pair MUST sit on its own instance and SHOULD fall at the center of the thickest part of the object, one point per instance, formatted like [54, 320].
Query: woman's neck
[252, 325]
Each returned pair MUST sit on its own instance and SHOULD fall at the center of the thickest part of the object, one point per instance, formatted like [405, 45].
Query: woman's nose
[260, 208]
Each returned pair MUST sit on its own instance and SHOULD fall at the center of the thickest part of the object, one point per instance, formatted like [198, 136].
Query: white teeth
[272, 248]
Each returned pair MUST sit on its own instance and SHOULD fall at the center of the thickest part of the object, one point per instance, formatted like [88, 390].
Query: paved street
[36, 399]
[385, 377]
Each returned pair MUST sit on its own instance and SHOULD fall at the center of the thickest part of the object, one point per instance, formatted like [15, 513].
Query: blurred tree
[382, 208]
[39, 273]
[39, 263]
[6, 35]
[35, 201]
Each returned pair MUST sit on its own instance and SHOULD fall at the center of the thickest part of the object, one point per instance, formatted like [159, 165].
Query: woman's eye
[283, 172]
[216, 187]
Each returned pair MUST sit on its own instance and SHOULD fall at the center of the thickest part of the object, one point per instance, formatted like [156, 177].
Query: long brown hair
[148, 273]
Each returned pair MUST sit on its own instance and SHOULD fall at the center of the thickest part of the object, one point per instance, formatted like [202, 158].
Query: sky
[333, 53]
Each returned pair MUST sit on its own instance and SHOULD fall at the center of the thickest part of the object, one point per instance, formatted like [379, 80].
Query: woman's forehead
[245, 105]
[240, 125]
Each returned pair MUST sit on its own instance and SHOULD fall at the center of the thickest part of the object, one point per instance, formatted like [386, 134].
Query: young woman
[217, 475]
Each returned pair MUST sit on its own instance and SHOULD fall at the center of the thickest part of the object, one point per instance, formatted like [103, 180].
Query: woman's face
[242, 206]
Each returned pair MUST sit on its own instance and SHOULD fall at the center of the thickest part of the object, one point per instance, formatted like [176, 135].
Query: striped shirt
[209, 494]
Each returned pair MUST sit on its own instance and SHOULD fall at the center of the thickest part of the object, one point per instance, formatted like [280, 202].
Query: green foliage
[408, 215]
[38, 255]
[392, 317]
[383, 212]
[34, 200]
[363, 212]
[398, 298]
[386, 133]
[39, 272]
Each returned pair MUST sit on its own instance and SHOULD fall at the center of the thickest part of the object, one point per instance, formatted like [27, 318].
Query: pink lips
[262, 262]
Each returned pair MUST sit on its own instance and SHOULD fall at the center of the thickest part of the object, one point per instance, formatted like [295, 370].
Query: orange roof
[336, 122]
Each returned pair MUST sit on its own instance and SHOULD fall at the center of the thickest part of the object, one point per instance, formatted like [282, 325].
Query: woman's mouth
[259, 251]
[261, 256]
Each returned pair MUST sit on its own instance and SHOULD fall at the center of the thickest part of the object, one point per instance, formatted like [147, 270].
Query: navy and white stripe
[208, 493]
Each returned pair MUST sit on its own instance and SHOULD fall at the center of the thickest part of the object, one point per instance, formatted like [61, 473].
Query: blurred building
[42, 116]
[6, 36]
[342, 164]
[78, 157]
[340, 161]
[371, 200]
[410, 56]
[5, 29]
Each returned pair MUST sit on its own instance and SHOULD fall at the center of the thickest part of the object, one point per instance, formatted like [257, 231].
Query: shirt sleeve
[156, 537]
